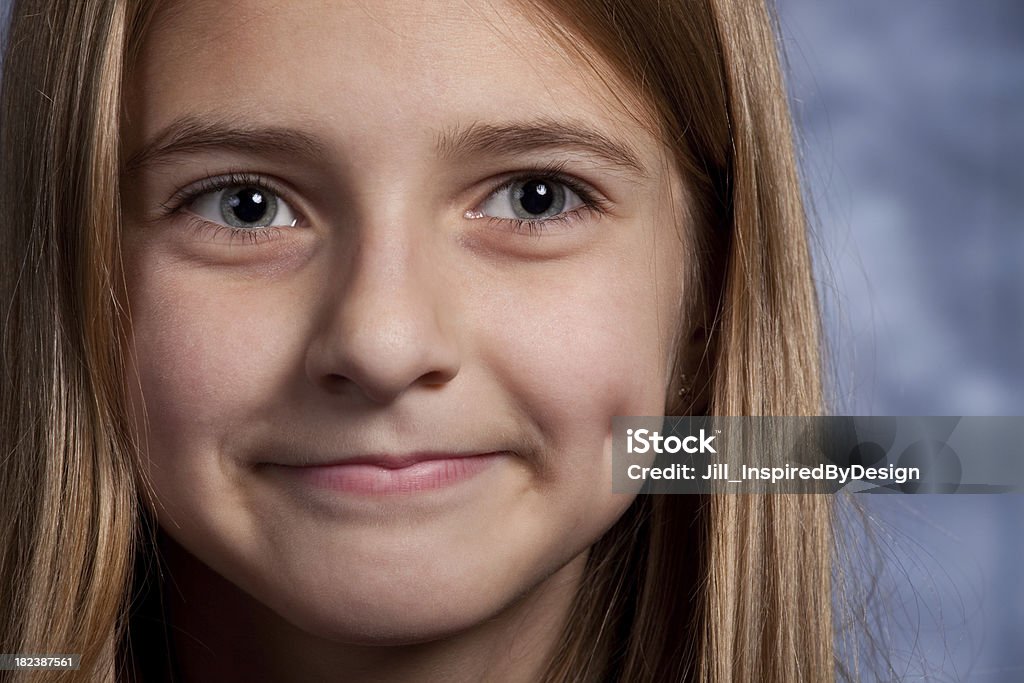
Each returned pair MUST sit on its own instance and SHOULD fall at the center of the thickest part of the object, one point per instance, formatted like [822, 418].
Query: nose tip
[388, 328]
[380, 360]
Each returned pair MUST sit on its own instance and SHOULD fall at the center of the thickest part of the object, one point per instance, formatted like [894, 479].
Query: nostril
[437, 378]
[335, 383]
[380, 388]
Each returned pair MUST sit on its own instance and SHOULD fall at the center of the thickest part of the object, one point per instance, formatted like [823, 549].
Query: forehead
[382, 73]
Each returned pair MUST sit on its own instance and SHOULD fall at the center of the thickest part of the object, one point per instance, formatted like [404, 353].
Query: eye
[244, 206]
[532, 199]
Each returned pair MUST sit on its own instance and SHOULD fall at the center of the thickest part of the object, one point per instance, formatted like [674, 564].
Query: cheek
[575, 351]
[207, 359]
[590, 346]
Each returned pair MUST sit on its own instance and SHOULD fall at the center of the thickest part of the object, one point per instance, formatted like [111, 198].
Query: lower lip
[368, 479]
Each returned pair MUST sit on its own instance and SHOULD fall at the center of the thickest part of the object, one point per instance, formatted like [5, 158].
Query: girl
[318, 314]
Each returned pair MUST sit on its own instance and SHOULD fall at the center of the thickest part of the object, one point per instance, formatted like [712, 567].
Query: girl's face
[393, 267]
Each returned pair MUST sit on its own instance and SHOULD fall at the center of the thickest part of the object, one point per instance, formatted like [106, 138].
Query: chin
[390, 620]
[399, 603]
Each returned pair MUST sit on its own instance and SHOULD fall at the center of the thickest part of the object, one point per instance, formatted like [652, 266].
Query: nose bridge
[388, 325]
[389, 292]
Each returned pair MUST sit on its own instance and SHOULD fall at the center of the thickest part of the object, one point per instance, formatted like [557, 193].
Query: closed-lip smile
[391, 473]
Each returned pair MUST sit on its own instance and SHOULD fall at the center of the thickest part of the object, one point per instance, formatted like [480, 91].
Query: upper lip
[391, 461]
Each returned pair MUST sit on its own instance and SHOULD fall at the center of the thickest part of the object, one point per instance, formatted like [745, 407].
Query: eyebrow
[191, 134]
[525, 137]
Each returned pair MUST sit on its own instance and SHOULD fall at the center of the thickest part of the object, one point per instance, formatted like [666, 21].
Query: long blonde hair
[720, 588]
[732, 587]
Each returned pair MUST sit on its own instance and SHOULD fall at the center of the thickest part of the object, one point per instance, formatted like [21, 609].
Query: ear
[689, 387]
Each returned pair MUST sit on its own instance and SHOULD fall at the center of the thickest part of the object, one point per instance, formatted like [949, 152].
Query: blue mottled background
[911, 119]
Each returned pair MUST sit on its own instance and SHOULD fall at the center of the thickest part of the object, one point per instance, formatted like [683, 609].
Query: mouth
[391, 474]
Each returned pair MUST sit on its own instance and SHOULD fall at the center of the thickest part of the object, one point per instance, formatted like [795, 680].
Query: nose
[387, 325]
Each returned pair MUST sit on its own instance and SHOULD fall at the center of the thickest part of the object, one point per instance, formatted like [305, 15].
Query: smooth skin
[397, 305]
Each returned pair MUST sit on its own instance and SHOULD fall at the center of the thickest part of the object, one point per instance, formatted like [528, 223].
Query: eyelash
[184, 197]
[591, 202]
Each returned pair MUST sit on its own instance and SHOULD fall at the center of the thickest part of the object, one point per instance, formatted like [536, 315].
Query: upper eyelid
[584, 193]
[568, 181]
[187, 193]
[555, 172]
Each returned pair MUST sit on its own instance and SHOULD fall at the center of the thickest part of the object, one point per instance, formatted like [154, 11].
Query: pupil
[249, 204]
[536, 197]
